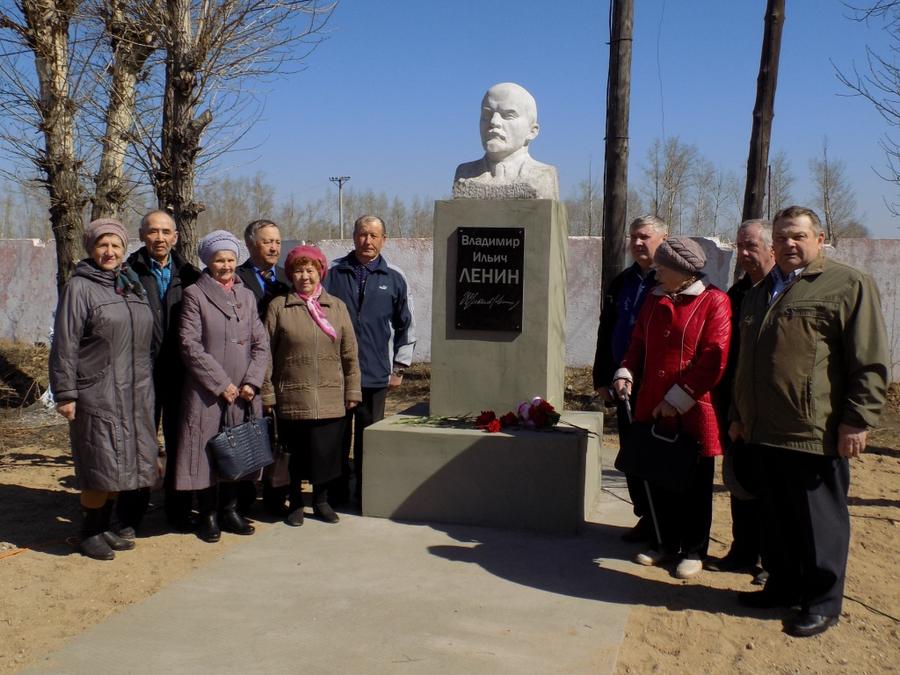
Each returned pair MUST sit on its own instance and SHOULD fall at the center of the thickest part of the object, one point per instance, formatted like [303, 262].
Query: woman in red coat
[677, 353]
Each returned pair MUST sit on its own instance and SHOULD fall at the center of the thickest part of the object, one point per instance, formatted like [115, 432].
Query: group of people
[784, 374]
[152, 340]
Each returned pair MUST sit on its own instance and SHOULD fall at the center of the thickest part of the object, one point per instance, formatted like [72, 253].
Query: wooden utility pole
[615, 169]
[763, 112]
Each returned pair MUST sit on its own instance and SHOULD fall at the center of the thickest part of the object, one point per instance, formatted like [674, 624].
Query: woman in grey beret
[225, 351]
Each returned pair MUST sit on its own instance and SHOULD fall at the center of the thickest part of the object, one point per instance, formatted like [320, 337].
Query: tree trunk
[181, 131]
[48, 23]
[763, 112]
[615, 169]
[131, 48]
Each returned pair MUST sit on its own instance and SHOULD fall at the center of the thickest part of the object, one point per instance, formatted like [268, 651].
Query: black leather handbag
[242, 449]
[667, 461]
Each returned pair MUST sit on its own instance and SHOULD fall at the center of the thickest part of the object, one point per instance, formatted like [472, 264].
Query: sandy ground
[51, 594]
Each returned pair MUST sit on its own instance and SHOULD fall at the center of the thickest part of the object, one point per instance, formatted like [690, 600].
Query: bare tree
[879, 83]
[132, 30]
[212, 48]
[585, 208]
[781, 181]
[40, 28]
[834, 197]
[668, 178]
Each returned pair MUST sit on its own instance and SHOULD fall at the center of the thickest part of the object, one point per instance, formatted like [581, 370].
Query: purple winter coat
[222, 342]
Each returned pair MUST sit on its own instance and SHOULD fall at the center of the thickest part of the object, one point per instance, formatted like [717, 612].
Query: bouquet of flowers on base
[534, 414]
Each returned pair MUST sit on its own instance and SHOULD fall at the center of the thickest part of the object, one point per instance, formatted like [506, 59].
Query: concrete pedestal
[475, 370]
[543, 481]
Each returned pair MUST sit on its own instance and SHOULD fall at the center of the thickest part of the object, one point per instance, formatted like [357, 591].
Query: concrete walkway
[374, 596]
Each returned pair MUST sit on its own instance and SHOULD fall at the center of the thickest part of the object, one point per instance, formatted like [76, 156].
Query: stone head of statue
[508, 120]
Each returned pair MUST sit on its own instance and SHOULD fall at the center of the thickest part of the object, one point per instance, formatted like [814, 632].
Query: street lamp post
[340, 180]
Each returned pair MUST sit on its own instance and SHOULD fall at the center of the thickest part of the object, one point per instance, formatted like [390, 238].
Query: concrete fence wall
[28, 286]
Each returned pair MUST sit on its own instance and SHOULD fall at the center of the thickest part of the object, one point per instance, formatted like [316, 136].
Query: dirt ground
[51, 594]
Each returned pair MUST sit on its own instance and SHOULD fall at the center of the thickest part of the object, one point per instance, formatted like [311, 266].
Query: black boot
[208, 527]
[131, 506]
[116, 543]
[229, 519]
[321, 507]
[93, 544]
[208, 524]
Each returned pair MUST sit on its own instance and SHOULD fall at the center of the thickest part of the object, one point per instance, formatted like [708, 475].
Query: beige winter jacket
[310, 376]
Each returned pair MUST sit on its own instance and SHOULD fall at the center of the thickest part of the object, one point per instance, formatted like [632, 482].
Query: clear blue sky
[391, 98]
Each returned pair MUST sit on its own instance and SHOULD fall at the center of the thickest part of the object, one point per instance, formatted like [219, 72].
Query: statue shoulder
[470, 169]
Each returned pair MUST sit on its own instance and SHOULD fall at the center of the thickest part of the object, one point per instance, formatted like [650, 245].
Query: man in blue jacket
[377, 297]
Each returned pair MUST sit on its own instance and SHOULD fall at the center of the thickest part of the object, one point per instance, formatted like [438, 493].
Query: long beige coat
[311, 377]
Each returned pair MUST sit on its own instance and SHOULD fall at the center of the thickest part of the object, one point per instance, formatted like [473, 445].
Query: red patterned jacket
[678, 352]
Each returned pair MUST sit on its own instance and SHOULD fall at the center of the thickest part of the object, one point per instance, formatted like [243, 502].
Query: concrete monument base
[474, 370]
[543, 481]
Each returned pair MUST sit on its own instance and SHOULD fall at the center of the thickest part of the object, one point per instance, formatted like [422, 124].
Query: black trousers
[132, 504]
[636, 491]
[747, 514]
[369, 411]
[807, 526]
[684, 518]
[746, 528]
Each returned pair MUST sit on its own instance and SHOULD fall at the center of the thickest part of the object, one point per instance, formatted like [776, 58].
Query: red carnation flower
[510, 419]
[539, 417]
[493, 426]
[485, 418]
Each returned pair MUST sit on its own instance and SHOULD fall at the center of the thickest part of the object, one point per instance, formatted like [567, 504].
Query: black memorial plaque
[490, 275]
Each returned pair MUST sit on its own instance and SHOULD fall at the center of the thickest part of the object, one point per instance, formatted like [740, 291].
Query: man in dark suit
[164, 274]
[262, 274]
[756, 258]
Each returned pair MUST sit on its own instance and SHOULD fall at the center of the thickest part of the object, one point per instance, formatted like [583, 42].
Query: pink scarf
[315, 311]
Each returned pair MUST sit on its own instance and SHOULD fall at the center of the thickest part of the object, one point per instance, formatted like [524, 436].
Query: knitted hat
[215, 241]
[97, 228]
[311, 252]
[680, 254]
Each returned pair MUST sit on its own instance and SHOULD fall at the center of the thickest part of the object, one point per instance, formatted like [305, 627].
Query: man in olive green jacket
[811, 379]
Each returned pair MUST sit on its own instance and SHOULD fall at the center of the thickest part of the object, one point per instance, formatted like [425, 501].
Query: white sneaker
[688, 568]
[650, 557]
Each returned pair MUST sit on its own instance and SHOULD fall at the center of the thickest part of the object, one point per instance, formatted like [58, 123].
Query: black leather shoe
[760, 578]
[764, 599]
[325, 512]
[231, 521]
[126, 533]
[117, 543]
[295, 518]
[208, 528]
[640, 532]
[731, 563]
[96, 547]
[807, 625]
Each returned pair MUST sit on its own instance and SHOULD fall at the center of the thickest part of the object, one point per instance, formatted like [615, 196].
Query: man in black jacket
[262, 274]
[756, 258]
[164, 274]
[621, 303]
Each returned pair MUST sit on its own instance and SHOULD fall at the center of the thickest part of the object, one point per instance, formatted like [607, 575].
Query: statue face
[508, 121]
